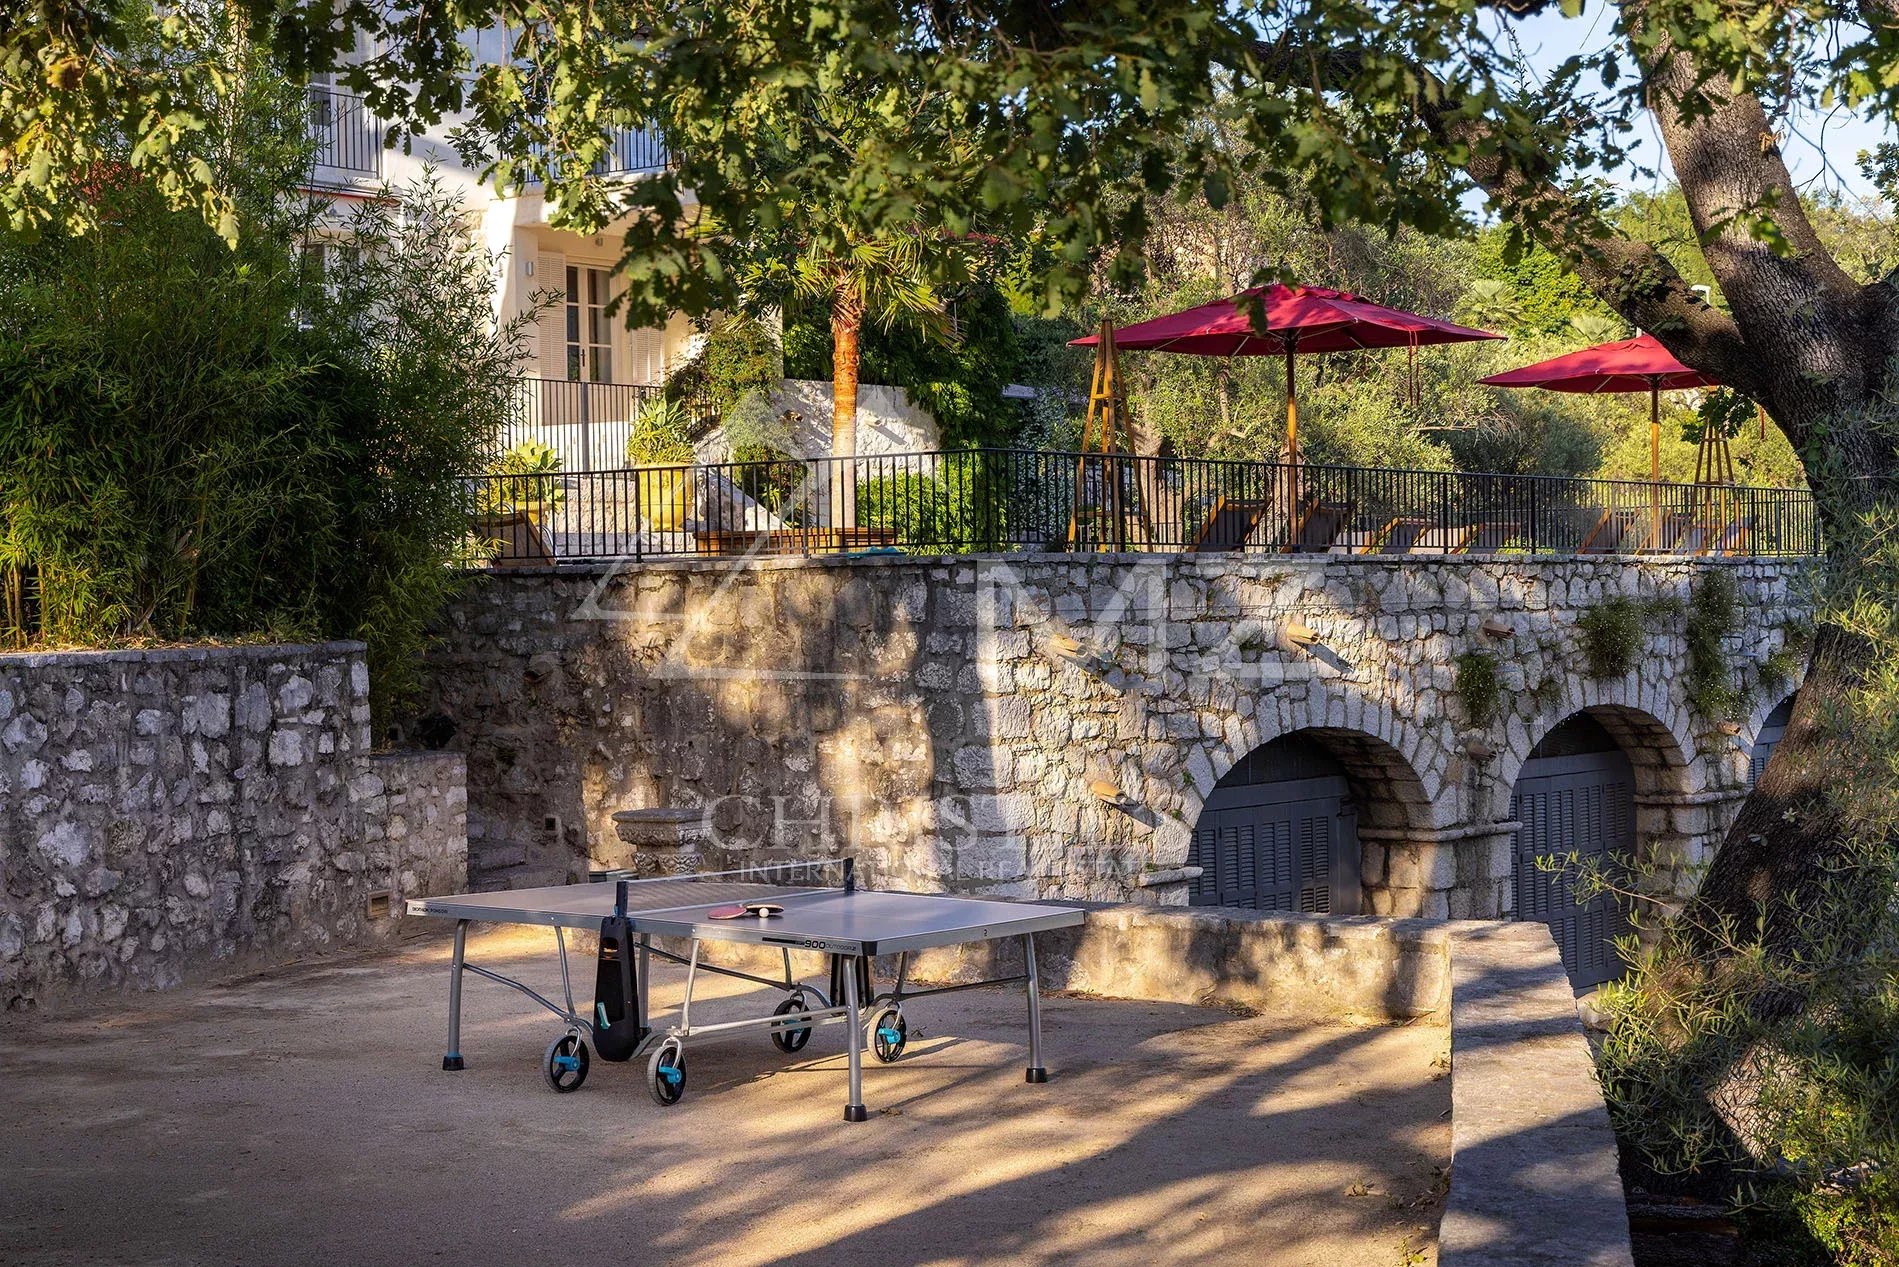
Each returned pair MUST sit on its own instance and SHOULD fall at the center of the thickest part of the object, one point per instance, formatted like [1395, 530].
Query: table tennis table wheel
[666, 1073]
[888, 1033]
[791, 1038]
[565, 1064]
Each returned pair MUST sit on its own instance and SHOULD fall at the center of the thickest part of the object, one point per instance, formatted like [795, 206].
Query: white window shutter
[647, 355]
[550, 275]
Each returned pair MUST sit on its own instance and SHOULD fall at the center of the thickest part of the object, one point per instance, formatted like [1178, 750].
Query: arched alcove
[1280, 830]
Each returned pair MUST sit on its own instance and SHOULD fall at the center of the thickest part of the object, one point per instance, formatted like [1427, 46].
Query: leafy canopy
[1074, 104]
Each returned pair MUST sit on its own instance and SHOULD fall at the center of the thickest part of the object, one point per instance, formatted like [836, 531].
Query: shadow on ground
[300, 1116]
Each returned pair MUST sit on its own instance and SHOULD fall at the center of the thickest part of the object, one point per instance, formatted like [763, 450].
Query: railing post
[586, 428]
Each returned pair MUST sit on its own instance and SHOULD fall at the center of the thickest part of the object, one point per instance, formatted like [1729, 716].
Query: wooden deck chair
[1229, 526]
[1356, 541]
[1734, 537]
[1607, 534]
[1398, 536]
[1490, 538]
[1693, 539]
[1319, 527]
[1664, 538]
[1445, 540]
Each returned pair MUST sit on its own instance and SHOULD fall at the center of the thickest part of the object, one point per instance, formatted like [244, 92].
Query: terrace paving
[299, 1115]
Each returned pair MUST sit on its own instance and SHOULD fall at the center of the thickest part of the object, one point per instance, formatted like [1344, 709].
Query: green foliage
[1478, 687]
[1777, 1070]
[1713, 614]
[658, 436]
[943, 512]
[1613, 633]
[1526, 291]
[201, 442]
[1783, 665]
[738, 357]
[533, 469]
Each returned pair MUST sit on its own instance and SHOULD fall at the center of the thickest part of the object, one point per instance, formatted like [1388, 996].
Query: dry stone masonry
[1047, 725]
[164, 808]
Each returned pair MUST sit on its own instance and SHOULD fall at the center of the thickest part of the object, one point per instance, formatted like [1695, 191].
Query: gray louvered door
[1583, 805]
[1289, 846]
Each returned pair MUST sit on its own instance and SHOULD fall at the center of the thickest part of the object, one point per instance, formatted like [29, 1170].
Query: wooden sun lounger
[1229, 526]
[1319, 527]
[742, 541]
[1400, 535]
[1733, 539]
[1356, 541]
[1453, 540]
[1607, 534]
[1490, 538]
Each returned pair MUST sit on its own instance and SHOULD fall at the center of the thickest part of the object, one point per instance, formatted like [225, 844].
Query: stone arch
[1327, 802]
[1607, 782]
[1756, 742]
[1650, 727]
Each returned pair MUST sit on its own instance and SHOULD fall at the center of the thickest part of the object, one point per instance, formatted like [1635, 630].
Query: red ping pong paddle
[727, 912]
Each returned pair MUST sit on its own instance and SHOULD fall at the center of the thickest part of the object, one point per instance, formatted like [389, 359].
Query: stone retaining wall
[164, 808]
[924, 713]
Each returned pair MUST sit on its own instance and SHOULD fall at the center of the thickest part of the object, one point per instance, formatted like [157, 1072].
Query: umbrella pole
[1292, 449]
[1655, 464]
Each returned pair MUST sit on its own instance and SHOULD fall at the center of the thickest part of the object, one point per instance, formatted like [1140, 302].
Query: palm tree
[816, 248]
[883, 279]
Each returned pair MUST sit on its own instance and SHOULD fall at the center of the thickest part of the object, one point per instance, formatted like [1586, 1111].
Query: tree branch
[1634, 278]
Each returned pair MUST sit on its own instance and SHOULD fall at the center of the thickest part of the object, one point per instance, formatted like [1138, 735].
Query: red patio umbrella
[1297, 319]
[1640, 364]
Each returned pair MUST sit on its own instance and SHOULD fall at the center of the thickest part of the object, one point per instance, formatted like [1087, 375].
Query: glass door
[589, 329]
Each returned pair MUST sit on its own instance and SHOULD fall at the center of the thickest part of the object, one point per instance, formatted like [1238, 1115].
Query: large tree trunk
[847, 325]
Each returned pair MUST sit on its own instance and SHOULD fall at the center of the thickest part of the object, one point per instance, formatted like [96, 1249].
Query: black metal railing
[990, 500]
[589, 425]
[630, 152]
[348, 137]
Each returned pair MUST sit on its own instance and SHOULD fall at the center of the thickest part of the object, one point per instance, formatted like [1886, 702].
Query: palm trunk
[847, 323]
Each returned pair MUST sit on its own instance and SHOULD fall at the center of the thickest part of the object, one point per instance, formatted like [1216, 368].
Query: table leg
[1037, 1073]
[853, 1044]
[452, 1059]
[639, 983]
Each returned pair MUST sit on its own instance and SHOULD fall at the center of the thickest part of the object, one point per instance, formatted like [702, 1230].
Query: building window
[589, 330]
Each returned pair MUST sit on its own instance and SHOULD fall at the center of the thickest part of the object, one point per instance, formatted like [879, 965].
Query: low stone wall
[169, 807]
[1534, 1177]
[415, 822]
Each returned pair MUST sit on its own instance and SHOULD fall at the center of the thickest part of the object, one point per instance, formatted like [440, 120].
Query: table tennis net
[759, 882]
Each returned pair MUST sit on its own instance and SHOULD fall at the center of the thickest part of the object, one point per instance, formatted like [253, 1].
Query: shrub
[658, 435]
[533, 480]
[201, 442]
[932, 513]
[739, 357]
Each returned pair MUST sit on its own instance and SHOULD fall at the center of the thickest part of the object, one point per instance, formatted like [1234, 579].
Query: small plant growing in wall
[1478, 687]
[1612, 636]
[1713, 614]
[1784, 663]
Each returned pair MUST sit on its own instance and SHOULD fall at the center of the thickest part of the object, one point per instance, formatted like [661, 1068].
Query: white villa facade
[588, 373]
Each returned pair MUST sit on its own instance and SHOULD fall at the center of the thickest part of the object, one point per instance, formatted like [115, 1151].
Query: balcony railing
[630, 152]
[983, 501]
[590, 424]
[348, 138]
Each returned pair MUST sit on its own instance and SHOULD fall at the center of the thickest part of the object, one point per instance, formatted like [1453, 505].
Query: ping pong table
[801, 911]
